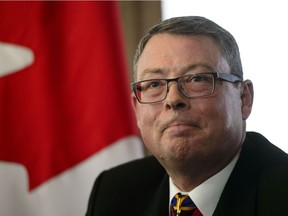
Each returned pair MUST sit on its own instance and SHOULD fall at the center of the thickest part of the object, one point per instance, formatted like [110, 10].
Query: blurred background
[65, 69]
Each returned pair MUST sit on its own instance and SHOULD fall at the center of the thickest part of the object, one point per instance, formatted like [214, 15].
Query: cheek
[230, 112]
[147, 124]
[145, 116]
[216, 114]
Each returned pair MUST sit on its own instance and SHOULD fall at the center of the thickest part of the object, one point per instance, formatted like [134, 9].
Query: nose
[175, 99]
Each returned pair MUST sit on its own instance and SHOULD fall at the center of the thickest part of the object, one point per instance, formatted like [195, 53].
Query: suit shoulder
[134, 173]
[265, 148]
[125, 185]
[138, 166]
[272, 161]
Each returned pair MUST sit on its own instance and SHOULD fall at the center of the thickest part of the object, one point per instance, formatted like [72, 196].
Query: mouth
[179, 131]
[179, 126]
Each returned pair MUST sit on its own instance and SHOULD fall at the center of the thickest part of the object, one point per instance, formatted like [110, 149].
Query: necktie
[182, 205]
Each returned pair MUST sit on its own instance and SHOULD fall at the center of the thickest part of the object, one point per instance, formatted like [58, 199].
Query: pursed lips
[178, 125]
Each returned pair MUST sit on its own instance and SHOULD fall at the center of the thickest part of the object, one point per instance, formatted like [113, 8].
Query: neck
[189, 180]
[186, 178]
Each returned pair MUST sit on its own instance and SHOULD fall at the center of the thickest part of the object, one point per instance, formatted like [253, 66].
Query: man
[191, 105]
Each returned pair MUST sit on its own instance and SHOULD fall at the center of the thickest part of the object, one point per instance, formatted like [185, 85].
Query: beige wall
[137, 17]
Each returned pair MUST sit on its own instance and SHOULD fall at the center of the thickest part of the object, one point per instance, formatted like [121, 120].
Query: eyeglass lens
[151, 91]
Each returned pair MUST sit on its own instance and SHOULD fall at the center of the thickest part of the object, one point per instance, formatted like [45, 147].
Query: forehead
[168, 54]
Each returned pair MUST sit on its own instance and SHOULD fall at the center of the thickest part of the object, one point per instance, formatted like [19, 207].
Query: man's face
[180, 130]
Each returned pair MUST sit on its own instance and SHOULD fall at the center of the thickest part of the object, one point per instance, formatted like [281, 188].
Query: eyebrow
[195, 66]
[152, 71]
[183, 70]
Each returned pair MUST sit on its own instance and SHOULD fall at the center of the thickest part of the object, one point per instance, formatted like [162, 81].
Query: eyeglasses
[192, 86]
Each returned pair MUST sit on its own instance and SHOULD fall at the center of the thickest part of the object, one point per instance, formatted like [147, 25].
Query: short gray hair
[196, 25]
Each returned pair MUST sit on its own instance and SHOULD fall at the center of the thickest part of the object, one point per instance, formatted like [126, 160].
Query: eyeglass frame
[216, 76]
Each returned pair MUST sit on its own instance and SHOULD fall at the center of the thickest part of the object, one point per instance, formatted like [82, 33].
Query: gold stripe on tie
[179, 206]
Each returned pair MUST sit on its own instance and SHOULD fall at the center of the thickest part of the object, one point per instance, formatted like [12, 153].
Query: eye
[155, 84]
[198, 78]
[150, 84]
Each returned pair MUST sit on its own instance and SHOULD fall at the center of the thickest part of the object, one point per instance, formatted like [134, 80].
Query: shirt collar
[206, 195]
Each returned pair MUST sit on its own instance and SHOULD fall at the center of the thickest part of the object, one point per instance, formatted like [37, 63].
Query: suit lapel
[239, 195]
[159, 204]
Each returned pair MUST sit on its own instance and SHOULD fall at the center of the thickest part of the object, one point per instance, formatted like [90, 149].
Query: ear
[247, 95]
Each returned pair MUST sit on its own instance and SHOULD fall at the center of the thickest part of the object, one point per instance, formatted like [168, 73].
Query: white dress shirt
[206, 195]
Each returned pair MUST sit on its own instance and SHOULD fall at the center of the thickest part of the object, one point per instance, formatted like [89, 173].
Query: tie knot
[182, 205]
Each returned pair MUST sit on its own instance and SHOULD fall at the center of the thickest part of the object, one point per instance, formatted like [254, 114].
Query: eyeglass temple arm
[228, 77]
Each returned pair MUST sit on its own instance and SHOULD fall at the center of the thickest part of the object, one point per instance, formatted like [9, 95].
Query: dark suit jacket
[258, 185]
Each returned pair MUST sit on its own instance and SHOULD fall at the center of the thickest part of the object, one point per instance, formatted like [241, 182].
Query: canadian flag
[65, 111]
